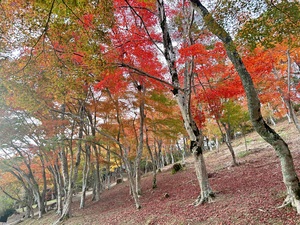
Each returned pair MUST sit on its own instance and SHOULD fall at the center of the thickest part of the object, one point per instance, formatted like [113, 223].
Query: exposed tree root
[208, 198]
[290, 201]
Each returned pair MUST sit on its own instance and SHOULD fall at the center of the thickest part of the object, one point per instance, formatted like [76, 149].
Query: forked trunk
[227, 139]
[183, 97]
[66, 209]
[132, 183]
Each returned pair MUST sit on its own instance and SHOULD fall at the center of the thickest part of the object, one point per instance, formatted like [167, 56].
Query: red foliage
[88, 19]
[114, 81]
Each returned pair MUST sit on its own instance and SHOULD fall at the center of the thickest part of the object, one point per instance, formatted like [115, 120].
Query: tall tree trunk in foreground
[183, 97]
[290, 177]
[141, 91]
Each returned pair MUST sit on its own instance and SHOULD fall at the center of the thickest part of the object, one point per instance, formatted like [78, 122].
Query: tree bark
[288, 100]
[206, 193]
[154, 164]
[228, 142]
[74, 167]
[85, 175]
[290, 177]
[131, 182]
[183, 97]
[108, 169]
[141, 90]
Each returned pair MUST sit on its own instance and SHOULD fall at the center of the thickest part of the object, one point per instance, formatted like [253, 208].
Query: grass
[243, 154]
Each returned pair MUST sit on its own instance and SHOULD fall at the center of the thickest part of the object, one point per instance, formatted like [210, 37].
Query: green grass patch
[243, 154]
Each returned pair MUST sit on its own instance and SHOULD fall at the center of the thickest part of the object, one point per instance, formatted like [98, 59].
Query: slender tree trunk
[160, 160]
[167, 158]
[244, 136]
[228, 143]
[108, 169]
[227, 139]
[182, 151]
[138, 158]
[288, 100]
[85, 175]
[154, 164]
[290, 177]
[183, 98]
[59, 193]
[43, 195]
[132, 183]
[96, 170]
[217, 144]
[172, 156]
[74, 167]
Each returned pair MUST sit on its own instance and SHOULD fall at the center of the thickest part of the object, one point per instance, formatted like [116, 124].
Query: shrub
[176, 167]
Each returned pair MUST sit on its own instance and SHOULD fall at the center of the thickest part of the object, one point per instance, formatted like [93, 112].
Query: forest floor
[250, 193]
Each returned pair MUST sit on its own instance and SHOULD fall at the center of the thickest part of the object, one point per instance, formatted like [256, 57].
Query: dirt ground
[250, 193]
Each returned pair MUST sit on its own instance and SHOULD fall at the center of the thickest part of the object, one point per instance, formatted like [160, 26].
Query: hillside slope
[247, 194]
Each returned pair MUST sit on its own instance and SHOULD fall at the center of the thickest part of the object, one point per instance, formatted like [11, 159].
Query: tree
[183, 97]
[290, 177]
[22, 156]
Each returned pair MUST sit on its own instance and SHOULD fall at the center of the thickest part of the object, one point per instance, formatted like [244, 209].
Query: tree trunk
[183, 97]
[160, 160]
[108, 169]
[245, 140]
[59, 197]
[172, 157]
[217, 144]
[227, 139]
[290, 177]
[182, 151]
[132, 183]
[228, 143]
[74, 167]
[167, 158]
[206, 194]
[97, 179]
[139, 153]
[288, 100]
[154, 164]
[85, 175]
[96, 171]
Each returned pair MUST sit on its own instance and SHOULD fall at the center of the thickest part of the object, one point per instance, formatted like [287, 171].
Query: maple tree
[288, 170]
[95, 77]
